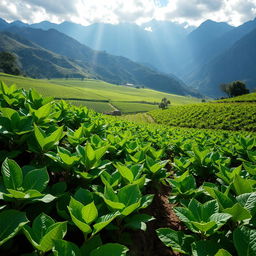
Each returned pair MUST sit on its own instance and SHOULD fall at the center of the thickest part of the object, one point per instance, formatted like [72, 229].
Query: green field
[128, 107]
[129, 99]
[251, 97]
[139, 118]
[227, 116]
[76, 182]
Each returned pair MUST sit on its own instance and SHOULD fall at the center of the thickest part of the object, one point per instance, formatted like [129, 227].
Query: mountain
[18, 23]
[237, 63]
[36, 61]
[228, 39]
[113, 69]
[192, 55]
[207, 33]
[155, 43]
[196, 47]
[3, 24]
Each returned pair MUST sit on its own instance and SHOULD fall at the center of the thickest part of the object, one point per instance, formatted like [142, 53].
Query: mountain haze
[194, 55]
[96, 64]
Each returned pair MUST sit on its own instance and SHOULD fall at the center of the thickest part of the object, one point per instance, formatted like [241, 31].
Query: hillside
[226, 116]
[236, 63]
[113, 69]
[251, 97]
[155, 48]
[38, 62]
[98, 95]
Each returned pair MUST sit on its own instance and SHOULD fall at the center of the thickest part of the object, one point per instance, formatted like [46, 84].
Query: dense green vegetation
[251, 97]
[130, 107]
[74, 182]
[8, 63]
[97, 94]
[233, 116]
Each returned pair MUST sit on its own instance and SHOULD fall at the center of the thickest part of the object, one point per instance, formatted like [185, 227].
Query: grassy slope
[243, 98]
[126, 98]
[227, 116]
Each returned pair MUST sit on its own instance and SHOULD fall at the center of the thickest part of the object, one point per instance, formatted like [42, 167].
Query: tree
[164, 103]
[8, 63]
[235, 88]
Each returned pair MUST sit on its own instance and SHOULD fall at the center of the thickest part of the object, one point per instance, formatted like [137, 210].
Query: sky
[86, 12]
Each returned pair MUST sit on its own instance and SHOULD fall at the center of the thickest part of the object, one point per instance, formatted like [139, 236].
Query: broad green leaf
[250, 168]
[36, 179]
[65, 248]
[54, 232]
[40, 225]
[90, 153]
[238, 212]
[110, 249]
[114, 205]
[12, 174]
[223, 200]
[103, 221]
[11, 221]
[75, 210]
[245, 241]
[146, 201]
[125, 172]
[222, 252]
[46, 198]
[204, 226]
[177, 240]
[43, 111]
[242, 186]
[129, 194]
[131, 208]
[248, 201]
[89, 213]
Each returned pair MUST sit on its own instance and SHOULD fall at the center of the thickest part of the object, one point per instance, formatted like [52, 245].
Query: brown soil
[147, 243]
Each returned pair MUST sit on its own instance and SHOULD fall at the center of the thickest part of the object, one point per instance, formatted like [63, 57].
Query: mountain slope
[36, 61]
[236, 63]
[109, 68]
[155, 43]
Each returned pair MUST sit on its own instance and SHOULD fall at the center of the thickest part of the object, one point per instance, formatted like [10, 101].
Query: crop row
[243, 98]
[74, 182]
[227, 116]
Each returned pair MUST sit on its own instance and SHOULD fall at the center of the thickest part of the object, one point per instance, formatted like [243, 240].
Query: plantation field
[101, 107]
[75, 182]
[128, 107]
[139, 118]
[97, 91]
[227, 116]
[243, 98]
[125, 93]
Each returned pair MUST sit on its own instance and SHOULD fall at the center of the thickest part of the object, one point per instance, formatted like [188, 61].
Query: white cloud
[114, 11]
[149, 29]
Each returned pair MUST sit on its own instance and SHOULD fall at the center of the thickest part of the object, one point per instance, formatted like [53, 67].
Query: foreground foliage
[75, 183]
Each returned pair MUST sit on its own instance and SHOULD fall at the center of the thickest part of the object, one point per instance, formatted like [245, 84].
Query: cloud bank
[87, 12]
